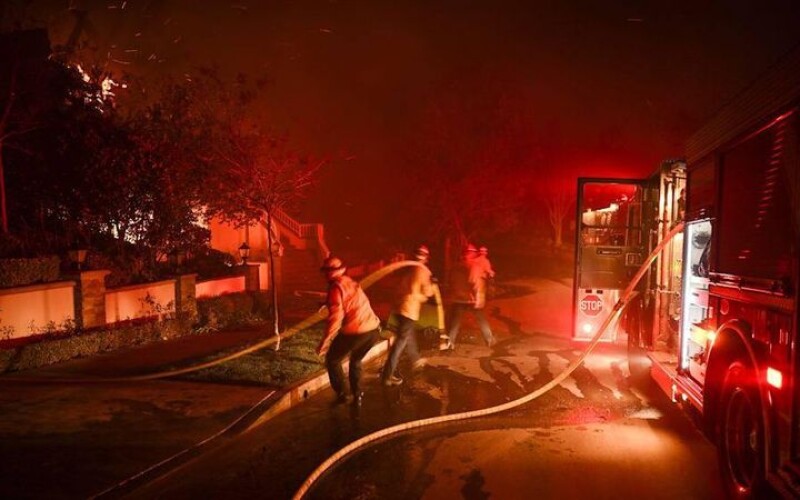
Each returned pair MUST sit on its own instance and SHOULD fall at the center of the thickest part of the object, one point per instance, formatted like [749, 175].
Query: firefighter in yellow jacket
[484, 263]
[468, 293]
[485, 273]
[352, 329]
[415, 289]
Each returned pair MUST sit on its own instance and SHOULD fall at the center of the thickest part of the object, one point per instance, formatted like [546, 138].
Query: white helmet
[333, 267]
[422, 253]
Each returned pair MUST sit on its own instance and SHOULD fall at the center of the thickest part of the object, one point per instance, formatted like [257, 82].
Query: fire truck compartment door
[607, 267]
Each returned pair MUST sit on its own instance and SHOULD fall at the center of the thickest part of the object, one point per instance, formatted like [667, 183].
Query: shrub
[126, 268]
[87, 343]
[233, 309]
[20, 272]
[210, 264]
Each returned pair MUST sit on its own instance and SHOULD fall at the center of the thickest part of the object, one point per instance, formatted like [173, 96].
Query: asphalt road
[602, 433]
[584, 441]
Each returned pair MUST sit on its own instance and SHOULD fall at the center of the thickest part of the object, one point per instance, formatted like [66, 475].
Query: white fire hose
[363, 442]
[624, 300]
[297, 328]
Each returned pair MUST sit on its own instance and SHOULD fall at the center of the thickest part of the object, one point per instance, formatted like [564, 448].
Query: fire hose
[302, 325]
[366, 283]
[625, 298]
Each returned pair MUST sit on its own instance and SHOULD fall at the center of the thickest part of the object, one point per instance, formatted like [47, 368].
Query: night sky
[616, 86]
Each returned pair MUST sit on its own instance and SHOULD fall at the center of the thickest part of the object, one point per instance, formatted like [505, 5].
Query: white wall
[30, 309]
[131, 302]
[213, 288]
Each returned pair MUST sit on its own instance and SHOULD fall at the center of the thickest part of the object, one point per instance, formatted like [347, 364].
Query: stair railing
[312, 231]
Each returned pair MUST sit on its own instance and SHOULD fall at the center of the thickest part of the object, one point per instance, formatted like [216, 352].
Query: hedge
[233, 309]
[214, 313]
[21, 272]
[89, 343]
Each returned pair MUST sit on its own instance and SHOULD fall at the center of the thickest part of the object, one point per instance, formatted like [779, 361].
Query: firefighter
[352, 329]
[486, 273]
[468, 293]
[484, 262]
[415, 289]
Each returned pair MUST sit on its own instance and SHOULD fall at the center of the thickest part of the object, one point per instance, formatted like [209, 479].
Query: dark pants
[357, 347]
[457, 312]
[406, 339]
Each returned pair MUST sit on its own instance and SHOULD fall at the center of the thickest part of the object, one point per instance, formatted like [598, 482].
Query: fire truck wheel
[741, 433]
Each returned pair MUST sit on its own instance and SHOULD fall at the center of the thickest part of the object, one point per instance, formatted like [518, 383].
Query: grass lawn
[295, 361]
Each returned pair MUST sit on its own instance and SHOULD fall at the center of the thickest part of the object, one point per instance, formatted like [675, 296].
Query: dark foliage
[20, 272]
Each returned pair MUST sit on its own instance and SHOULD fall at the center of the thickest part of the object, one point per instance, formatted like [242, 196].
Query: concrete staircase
[304, 249]
[300, 271]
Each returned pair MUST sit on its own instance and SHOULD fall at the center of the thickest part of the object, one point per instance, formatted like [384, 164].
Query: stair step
[300, 271]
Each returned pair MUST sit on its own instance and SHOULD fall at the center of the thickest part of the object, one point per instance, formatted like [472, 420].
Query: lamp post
[78, 256]
[244, 252]
[176, 258]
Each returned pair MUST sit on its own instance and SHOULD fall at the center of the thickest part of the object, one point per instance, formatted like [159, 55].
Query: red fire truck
[717, 313]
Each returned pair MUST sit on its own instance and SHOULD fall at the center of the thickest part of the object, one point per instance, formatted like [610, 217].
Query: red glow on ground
[584, 415]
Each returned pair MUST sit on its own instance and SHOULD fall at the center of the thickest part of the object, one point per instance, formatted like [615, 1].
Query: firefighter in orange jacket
[415, 289]
[352, 329]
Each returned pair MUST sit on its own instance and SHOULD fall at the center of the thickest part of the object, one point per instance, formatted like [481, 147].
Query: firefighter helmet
[422, 253]
[333, 266]
[470, 249]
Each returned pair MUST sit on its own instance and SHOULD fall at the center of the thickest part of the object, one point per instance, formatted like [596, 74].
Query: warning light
[587, 328]
[711, 336]
[774, 378]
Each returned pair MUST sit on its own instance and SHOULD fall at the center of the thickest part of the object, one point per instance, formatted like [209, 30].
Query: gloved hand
[323, 347]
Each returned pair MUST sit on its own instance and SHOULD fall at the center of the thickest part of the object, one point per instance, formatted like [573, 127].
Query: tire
[740, 436]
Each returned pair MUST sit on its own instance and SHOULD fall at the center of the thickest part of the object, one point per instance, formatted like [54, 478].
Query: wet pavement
[76, 440]
[601, 434]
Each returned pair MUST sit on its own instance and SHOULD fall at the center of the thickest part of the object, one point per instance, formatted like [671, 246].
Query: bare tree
[559, 202]
[260, 177]
[250, 173]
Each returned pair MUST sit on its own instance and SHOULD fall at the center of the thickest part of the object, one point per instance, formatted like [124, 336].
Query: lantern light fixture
[244, 252]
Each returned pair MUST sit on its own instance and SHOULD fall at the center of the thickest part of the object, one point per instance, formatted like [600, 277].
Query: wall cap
[148, 284]
[220, 278]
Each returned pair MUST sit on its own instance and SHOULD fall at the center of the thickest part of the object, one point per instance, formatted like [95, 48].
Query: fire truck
[717, 311]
